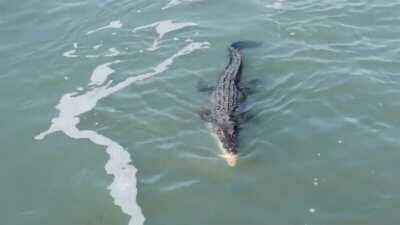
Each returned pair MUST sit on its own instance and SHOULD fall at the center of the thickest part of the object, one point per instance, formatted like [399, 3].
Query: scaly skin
[225, 100]
[224, 112]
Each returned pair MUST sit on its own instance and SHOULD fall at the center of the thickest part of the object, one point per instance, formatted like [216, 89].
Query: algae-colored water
[100, 125]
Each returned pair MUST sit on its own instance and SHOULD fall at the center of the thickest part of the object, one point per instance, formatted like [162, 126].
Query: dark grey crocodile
[224, 111]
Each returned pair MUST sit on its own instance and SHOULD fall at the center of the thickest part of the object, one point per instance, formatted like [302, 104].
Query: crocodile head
[227, 137]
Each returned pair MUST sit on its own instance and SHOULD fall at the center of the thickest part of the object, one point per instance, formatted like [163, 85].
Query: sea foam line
[162, 28]
[71, 105]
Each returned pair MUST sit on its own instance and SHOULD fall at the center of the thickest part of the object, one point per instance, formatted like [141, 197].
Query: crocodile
[224, 111]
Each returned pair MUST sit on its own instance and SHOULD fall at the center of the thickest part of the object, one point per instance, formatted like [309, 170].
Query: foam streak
[71, 105]
[162, 28]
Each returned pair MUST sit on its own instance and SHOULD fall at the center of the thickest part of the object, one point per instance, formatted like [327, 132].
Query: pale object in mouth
[230, 158]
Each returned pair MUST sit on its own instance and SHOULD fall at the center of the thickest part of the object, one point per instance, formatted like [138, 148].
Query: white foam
[113, 24]
[101, 73]
[173, 3]
[70, 54]
[71, 105]
[162, 28]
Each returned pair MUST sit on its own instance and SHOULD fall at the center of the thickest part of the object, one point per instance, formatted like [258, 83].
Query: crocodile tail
[245, 44]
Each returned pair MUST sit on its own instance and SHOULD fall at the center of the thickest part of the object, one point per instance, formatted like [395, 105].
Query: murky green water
[100, 126]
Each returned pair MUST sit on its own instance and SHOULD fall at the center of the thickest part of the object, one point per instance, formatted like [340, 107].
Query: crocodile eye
[217, 107]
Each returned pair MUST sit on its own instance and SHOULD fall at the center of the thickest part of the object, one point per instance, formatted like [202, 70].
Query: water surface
[100, 126]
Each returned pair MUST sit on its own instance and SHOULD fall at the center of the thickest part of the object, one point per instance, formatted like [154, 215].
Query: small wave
[113, 24]
[179, 185]
[152, 179]
[97, 46]
[70, 54]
